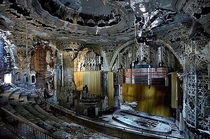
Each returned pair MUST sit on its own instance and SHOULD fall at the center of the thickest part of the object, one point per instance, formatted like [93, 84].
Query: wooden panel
[149, 76]
[110, 89]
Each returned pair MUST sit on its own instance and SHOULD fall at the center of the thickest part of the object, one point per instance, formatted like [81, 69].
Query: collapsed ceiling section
[84, 13]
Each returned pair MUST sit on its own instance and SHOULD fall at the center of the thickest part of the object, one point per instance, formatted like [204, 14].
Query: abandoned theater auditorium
[104, 69]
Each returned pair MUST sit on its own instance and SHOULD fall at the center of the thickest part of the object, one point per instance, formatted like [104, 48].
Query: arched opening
[33, 79]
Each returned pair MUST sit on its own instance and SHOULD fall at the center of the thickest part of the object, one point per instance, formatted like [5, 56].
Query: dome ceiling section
[72, 24]
[63, 20]
[95, 7]
[31, 16]
[72, 4]
[84, 11]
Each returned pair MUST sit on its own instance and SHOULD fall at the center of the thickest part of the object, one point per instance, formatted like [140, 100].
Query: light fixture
[8, 78]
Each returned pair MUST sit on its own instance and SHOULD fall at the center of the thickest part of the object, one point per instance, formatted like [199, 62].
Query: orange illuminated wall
[89, 78]
[78, 79]
[93, 80]
[110, 89]
[151, 99]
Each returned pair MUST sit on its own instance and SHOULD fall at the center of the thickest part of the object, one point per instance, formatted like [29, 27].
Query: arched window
[33, 79]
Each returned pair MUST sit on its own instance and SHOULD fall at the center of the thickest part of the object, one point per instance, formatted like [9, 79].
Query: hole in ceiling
[20, 10]
[205, 11]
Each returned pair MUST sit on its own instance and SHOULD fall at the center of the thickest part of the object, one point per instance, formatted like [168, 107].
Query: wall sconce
[8, 78]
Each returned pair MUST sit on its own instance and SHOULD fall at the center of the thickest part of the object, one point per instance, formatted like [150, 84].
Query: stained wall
[151, 99]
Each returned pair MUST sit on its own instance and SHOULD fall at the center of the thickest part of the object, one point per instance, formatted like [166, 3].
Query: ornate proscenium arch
[132, 42]
[117, 52]
[171, 49]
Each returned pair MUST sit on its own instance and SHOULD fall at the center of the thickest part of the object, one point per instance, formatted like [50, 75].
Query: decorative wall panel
[149, 76]
[202, 100]
[191, 98]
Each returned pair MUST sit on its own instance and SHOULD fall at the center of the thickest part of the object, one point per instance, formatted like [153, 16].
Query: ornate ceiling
[61, 20]
[102, 22]
[99, 21]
